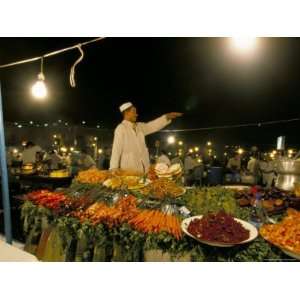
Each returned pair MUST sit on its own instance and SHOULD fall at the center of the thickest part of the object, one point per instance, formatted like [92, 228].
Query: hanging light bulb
[39, 89]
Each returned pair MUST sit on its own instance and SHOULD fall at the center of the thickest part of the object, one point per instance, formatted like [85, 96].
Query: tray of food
[285, 234]
[163, 188]
[219, 230]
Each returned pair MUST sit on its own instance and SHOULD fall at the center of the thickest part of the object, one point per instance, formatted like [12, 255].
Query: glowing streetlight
[83, 122]
[95, 138]
[244, 44]
[191, 150]
[20, 126]
[171, 139]
[63, 149]
[209, 143]
[15, 151]
[240, 151]
[180, 143]
[72, 149]
[31, 122]
[290, 151]
[100, 151]
[54, 136]
[196, 149]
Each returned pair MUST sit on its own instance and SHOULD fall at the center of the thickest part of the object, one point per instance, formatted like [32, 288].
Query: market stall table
[101, 216]
[42, 181]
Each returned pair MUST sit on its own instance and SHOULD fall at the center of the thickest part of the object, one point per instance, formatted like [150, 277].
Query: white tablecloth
[11, 253]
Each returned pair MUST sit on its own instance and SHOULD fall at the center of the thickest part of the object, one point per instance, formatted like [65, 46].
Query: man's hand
[173, 115]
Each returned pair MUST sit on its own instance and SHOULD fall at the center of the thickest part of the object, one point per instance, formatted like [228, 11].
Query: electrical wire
[233, 126]
[72, 72]
[56, 52]
[190, 129]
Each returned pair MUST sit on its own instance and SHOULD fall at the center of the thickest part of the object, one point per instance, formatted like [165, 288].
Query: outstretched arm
[159, 123]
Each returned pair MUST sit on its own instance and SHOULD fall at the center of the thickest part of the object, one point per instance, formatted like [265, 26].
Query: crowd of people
[129, 151]
[244, 169]
[253, 169]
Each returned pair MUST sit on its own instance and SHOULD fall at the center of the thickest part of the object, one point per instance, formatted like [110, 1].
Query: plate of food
[291, 254]
[137, 183]
[163, 188]
[162, 170]
[219, 230]
[113, 183]
[285, 234]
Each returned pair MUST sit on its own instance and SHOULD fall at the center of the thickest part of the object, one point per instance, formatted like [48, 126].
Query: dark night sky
[198, 76]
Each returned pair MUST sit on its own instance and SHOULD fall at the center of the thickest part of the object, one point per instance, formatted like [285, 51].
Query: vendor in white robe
[129, 151]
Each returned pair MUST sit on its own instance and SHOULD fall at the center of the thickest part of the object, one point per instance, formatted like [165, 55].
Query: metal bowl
[288, 166]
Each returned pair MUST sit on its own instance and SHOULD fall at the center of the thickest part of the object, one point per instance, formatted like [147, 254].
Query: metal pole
[4, 178]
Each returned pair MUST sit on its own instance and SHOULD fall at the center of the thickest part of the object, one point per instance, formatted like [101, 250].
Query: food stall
[125, 216]
[39, 176]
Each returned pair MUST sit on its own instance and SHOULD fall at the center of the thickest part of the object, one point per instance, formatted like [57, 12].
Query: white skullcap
[124, 106]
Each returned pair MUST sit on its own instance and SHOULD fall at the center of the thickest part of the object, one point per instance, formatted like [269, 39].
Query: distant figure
[163, 158]
[55, 160]
[30, 152]
[253, 168]
[234, 163]
[267, 168]
[104, 159]
[86, 161]
[189, 165]
[234, 166]
[177, 160]
[198, 174]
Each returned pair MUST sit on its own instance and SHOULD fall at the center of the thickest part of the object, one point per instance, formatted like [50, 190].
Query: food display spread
[125, 216]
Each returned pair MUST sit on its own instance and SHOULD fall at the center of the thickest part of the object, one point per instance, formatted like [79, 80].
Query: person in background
[267, 168]
[30, 152]
[253, 169]
[234, 166]
[55, 160]
[163, 158]
[104, 158]
[198, 174]
[189, 165]
[177, 160]
[86, 161]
